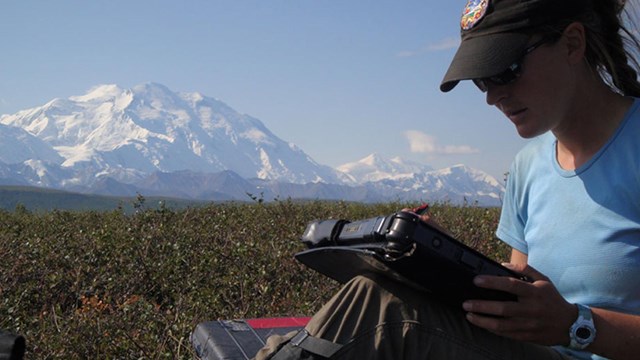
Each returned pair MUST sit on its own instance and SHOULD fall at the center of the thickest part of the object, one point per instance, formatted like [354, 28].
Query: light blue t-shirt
[580, 228]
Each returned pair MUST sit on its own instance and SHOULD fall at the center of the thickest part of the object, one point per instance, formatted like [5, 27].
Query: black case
[405, 248]
[239, 339]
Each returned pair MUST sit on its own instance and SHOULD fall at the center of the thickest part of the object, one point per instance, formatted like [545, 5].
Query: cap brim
[483, 56]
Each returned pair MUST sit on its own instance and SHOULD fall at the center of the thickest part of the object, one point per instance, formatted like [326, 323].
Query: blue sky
[339, 78]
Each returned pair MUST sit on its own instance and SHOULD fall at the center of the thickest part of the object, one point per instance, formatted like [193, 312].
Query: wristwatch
[582, 332]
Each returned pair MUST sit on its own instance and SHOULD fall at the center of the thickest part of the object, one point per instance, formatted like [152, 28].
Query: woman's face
[539, 100]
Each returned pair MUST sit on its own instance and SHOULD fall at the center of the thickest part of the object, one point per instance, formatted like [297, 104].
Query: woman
[559, 71]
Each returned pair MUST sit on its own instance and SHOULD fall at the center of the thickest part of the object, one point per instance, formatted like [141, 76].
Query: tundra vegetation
[110, 284]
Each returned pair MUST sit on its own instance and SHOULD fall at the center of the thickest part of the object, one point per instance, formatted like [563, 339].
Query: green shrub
[110, 285]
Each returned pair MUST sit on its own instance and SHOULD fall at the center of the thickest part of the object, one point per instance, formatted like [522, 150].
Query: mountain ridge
[149, 139]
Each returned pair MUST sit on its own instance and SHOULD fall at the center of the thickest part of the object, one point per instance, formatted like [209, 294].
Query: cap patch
[473, 12]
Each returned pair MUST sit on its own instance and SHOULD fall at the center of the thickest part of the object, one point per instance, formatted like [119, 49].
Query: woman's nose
[495, 93]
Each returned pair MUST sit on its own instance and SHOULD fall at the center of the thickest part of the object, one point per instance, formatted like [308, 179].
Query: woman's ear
[575, 40]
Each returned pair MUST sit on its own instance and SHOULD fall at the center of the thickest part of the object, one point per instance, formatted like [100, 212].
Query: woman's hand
[422, 211]
[541, 315]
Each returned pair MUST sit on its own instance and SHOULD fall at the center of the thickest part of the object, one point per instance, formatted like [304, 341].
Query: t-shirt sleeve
[512, 220]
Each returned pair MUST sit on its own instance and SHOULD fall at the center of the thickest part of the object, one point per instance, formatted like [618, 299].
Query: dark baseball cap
[495, 33]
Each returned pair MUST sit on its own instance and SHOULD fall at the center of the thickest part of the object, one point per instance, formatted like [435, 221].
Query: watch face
[583, 332]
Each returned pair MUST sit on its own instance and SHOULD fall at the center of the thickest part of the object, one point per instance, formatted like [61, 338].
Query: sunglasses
[512, 73]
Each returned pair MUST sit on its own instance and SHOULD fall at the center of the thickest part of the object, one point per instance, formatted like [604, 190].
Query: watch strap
[583, 330]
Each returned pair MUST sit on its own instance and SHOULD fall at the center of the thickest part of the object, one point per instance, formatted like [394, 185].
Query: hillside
[85, 285]
[41, 199]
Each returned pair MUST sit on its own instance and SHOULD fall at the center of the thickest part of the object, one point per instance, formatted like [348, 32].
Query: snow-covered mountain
[375, 168]
[126, 133]
[398, 179]
[153, 141]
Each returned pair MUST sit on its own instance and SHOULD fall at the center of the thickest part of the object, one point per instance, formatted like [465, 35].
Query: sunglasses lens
[506, 77]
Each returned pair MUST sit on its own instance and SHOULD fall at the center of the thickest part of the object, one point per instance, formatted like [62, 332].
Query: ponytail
[612, 48]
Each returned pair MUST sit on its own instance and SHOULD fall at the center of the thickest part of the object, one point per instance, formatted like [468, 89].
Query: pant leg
[378, 318]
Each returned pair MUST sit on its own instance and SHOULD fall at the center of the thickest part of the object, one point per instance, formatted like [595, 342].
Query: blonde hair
[612, 43]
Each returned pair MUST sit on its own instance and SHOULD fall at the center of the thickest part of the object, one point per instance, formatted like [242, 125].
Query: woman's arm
[518, 258]
[543, 316]
[617, 334]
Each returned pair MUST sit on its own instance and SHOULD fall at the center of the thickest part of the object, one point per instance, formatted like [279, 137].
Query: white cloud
[422, 143]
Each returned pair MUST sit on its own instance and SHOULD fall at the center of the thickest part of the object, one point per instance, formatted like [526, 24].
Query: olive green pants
[373, 317]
